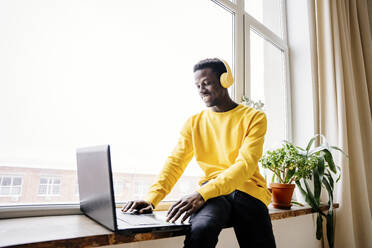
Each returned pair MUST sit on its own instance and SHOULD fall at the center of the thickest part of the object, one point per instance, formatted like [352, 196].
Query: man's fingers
[146, 210]
[172, 207]
[134, 206]
[187, 214]
[177, 211]
[180, 212]
[174, 211]
[127, 206]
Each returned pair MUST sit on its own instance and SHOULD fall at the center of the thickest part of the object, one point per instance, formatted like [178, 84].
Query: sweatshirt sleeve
[245, 164]
[173, 167]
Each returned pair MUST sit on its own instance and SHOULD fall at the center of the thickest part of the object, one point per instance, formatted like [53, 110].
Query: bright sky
[79, 73]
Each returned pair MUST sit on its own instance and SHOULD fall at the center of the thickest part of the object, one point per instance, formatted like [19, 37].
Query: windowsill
[79, 229]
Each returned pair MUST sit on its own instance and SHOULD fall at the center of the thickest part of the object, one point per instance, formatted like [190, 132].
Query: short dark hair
[215, 64]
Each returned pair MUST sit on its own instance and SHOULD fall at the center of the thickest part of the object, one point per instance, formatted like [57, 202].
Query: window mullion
[266, 33]
[230, 6]
[239, 51]
[288, 109]
[247, 59]
[289, 132]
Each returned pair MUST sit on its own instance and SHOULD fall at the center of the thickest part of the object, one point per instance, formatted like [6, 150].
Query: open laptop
[97, 199]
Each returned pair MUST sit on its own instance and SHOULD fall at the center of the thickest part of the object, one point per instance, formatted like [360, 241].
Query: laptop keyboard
[139, 219]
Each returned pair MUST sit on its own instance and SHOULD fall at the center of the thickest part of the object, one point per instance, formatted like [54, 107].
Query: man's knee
[204, 226]
[203, 233]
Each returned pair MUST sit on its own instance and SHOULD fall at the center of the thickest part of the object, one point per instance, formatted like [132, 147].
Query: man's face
[209, 87]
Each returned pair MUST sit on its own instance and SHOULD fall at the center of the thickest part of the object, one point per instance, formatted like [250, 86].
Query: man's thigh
[251, 221]
[207, 223]
[217, 210]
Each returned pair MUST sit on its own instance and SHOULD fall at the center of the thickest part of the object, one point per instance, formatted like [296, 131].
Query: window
[49, 186]
[10, 186]
[267, 12]
[82, 73]
[266, 65]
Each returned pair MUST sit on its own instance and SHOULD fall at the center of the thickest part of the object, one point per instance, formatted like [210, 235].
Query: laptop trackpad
[139, 219]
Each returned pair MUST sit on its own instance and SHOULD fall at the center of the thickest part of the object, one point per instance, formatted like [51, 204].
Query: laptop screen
[95, 185]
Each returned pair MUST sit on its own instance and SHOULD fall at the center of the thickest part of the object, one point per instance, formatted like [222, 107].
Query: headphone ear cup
[223, 79]
[226, 78]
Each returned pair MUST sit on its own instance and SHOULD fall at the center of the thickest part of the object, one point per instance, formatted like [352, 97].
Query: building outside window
[49, 186]
[10, 185]
[118, 187]
[140, 189]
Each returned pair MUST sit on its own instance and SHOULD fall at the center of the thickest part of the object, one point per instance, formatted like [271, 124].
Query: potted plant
[323, 172]
[288, 166]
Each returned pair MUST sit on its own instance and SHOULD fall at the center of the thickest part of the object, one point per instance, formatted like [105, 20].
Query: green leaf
[319, 227]
[328, 157]
[290, 175]
[318, 173]
[300, 148]
[330, 180]
[280, 180]
[330, 229]
[305, 194]
[329, 217]
[318, 149]
[330, 192]
[310, 197]
[338, 178]
[297, 203]
[273, 178]
[340, 150]
[311, 142]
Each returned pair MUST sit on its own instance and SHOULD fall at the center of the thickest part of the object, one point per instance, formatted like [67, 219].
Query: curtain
[342, 77]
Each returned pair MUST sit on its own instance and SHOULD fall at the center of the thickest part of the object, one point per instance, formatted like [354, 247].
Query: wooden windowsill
[80, 231]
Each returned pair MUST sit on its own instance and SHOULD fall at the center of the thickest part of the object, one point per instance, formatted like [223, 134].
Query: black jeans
[248, 215]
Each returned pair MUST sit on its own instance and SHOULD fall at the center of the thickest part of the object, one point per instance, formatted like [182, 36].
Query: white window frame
[241, 57]
[12, 176]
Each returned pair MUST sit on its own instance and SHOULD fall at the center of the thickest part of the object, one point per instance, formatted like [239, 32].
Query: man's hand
[188, 204]
[143, 207]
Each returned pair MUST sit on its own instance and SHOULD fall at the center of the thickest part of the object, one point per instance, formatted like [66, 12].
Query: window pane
[55, 190]
[267, 85]
[103, 72]
[16, 191]
[42, 189]
[267, 12]
[6, 181]
[4, 190]
[17, 180]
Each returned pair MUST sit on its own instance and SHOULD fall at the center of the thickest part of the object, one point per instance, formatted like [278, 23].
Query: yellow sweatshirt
[227, 147]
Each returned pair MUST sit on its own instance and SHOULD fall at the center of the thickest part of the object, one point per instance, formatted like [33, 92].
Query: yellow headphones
[226, 78]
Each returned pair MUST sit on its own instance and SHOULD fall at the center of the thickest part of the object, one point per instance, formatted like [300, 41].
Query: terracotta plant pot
[282, 195]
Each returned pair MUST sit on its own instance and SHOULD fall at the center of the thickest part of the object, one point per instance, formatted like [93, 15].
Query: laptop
[97, 200]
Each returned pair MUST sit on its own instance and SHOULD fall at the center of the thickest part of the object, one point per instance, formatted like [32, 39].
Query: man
[227, 141]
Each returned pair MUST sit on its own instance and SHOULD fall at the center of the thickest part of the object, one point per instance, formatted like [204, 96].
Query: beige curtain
[342, 76]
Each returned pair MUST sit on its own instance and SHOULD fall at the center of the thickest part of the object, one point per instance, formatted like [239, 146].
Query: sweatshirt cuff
[153, 198]
[206, 192]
